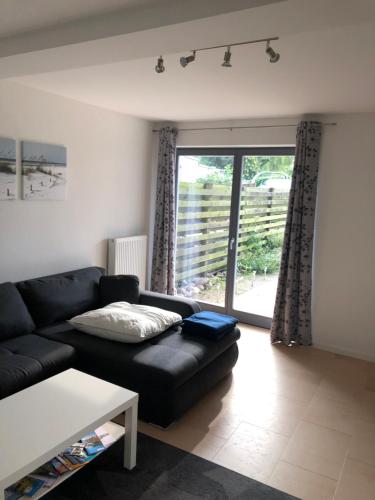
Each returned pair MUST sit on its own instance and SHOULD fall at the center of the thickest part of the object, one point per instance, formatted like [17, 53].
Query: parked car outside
[275, 180]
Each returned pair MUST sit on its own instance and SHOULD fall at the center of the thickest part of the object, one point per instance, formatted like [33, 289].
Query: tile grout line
[327, 428]
[342, 470]
[308, 470]
[225, 441]
[363, 462]
[265, 429]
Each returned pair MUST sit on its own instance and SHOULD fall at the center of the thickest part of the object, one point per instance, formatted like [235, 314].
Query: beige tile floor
[299, 419]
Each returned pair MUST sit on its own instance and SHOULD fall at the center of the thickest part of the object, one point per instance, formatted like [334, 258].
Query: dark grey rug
[162, 473]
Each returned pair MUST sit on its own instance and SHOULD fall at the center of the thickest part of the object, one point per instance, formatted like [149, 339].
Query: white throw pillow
[125, 322]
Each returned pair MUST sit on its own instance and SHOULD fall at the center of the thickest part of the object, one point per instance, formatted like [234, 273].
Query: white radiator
[128, 256]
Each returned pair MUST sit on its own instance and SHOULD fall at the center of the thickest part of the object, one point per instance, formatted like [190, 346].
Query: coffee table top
[39, 422]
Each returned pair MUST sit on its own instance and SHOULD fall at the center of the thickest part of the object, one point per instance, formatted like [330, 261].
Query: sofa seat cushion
[17, 372]
[15, 319]
[28, 359]
[164, 362]
[203, 349]
[59, 297]
[50, 354]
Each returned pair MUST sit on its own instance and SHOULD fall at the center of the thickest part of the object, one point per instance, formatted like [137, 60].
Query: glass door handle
[231, 244]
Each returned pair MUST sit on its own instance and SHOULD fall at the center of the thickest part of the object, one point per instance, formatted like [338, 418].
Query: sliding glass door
[205, 184]
[263, 195]
[232, 206]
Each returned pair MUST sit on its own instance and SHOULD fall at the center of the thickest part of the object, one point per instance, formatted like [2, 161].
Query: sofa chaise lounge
[170, 372]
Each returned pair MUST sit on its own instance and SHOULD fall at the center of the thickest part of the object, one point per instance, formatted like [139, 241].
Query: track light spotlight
[160, 68]
[184, 61]
[227, 56]
[274, 56]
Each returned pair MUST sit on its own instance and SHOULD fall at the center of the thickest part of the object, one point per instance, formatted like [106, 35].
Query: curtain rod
[327, 124]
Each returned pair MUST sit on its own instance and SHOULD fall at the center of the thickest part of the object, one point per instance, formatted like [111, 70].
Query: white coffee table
[39, 422]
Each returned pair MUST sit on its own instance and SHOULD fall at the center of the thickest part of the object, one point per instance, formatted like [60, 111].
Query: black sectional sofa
[170, 371]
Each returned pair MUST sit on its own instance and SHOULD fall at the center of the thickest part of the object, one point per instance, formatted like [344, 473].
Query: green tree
[216, 161]
[223, 167]
[253, 165]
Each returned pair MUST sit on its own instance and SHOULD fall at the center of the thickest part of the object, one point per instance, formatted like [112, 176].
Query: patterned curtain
[163, 259]
[292, 316]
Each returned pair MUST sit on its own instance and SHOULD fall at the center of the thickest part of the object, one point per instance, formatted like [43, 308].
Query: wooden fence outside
[203, 224]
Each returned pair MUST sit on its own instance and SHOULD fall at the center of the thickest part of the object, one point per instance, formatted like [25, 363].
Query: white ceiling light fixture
[184, 61]
[160, 68]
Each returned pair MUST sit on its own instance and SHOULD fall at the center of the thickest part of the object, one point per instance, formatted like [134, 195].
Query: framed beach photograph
[7, 169]
[43, 171]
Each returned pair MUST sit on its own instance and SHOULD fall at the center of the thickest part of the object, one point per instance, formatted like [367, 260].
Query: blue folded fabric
[209, 324]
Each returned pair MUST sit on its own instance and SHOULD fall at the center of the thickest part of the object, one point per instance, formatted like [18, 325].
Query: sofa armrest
[179, 305]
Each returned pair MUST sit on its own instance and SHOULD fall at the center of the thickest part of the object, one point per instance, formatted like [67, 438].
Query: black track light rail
[260, 40]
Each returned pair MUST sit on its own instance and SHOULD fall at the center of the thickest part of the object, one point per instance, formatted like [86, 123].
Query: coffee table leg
[130, 452]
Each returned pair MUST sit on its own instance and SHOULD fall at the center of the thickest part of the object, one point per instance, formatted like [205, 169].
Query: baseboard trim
[345, 352]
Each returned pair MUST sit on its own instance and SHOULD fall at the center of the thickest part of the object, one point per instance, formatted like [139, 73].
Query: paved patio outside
[259, 298]
[252, 295]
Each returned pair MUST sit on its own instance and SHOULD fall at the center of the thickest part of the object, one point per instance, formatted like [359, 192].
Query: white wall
[344, 263]
[107, 191]
[238, 137]
[344, 291]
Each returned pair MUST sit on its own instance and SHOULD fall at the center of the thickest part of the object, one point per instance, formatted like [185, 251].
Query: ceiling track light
[274, 56]
[227, 56]
[184, 61]
[160, 68]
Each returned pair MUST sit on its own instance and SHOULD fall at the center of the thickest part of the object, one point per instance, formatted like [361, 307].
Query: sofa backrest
[61, 296]
[15, 319]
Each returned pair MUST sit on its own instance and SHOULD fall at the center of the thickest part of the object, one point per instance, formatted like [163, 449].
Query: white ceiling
[28, 25]
[326, 66]
[19, 16]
